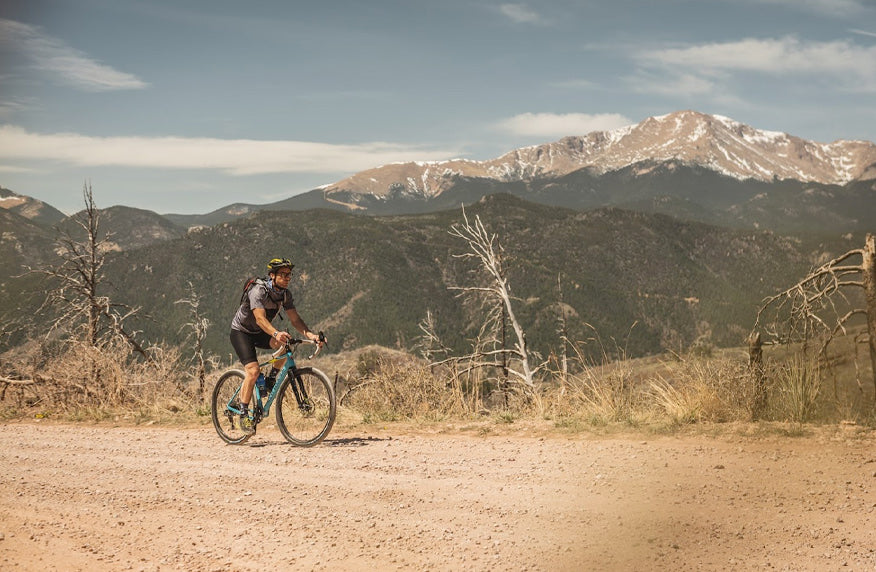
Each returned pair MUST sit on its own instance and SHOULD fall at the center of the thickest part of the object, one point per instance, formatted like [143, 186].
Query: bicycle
[305, 409]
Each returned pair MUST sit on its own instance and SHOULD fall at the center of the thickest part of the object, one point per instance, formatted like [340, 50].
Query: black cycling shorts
[245, 345]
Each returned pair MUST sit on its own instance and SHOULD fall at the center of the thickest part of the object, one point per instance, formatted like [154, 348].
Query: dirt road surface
[86, 497]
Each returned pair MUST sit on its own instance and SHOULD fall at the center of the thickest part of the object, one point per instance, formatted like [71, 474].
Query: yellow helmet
[277, 263]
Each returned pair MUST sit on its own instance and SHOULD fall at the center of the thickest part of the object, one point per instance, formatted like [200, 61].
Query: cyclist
[251, 328]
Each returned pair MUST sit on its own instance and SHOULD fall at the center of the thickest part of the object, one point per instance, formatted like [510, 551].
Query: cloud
[520, 13]
[785, 55]
[837, 8]
[232, 156]
[850, 66]
[684, 85]
[72, 66]
[863, 33]
[575, 84]
[10, 107]
[12, 169]
[561, 125]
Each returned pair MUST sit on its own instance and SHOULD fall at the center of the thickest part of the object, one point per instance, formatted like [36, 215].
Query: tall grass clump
[598, 394]
[397, 389]
[703, 389]
[797, 388]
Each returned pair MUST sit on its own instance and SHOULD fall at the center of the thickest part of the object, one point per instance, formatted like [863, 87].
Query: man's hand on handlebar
[319, 338]
[282, 337]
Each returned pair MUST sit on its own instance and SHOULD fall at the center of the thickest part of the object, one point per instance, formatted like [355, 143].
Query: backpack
[257, 281]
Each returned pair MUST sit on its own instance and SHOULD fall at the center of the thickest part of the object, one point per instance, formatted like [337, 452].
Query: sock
[244, 408]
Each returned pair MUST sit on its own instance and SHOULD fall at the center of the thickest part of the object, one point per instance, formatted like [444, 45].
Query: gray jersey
[261, 295]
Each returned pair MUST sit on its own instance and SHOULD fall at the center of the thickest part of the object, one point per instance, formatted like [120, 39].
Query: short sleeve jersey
[261, 295]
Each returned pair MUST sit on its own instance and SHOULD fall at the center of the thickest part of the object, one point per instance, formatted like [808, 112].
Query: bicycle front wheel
[225, 407]
[306, 407]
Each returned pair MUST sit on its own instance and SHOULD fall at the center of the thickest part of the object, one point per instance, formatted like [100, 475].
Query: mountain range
[641, 283]
[680, 225]
[688, 164]
[686, 137]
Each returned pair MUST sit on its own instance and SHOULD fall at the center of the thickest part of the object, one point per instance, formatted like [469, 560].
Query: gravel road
[100, 497]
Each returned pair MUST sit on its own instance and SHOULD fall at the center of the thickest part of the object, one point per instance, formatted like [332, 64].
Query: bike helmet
[277, 263]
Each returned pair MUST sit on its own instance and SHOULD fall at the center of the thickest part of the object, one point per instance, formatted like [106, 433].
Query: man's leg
[251, 373]
[245, 347]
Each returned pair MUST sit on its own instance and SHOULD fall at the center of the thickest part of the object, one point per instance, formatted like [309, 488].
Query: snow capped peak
[688, 137]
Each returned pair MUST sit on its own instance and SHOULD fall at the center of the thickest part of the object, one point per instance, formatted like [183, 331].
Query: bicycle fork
[300, 393]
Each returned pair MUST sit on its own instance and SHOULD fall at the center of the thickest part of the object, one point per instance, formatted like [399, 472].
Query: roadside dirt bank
[94, 497]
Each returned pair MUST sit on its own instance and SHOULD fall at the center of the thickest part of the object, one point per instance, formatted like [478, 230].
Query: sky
[186, 106]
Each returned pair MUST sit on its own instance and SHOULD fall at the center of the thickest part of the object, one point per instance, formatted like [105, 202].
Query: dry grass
[78, 382]
[379, 385]
[798, 387]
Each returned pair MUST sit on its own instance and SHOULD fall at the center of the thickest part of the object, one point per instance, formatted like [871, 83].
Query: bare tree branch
[198, 326]
[485, 249]
[818, 306]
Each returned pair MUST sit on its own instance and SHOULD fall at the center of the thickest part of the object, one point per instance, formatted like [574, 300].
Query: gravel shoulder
[100, 497]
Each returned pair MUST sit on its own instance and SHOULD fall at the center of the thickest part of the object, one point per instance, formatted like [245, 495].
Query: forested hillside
[641, 282]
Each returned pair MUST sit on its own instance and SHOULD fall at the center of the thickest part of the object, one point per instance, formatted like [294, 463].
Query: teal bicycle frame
[260, 411]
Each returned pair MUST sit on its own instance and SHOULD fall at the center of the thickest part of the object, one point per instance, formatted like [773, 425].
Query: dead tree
[483, 247]
[197, 333]
[563, 332]
[818, 306]
[79, 281]
[756, 367]
[430, 345]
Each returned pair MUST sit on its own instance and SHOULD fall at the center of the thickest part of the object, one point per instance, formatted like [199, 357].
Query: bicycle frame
[262, 411]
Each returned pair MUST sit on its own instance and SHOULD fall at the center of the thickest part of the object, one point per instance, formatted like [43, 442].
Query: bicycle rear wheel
[225, 407]
[306, 407]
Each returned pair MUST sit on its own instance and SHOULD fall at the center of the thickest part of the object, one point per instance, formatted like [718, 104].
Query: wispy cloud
[10, 107]
[863, 33]
[232, 156]
[13, 169]
[683, 84]
[520, 13]
[575, 84]
[784, 55]
[849, 66]
[836, 8]
[70, 65]
[561, 124]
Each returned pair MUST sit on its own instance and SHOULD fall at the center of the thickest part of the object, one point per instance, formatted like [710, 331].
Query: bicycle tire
[227, 422]
[308, 424]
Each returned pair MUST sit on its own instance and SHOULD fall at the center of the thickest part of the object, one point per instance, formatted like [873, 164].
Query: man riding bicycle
[251, 328]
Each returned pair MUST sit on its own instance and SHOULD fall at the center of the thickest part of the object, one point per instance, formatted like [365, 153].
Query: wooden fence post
[868, 267]
[755, 366]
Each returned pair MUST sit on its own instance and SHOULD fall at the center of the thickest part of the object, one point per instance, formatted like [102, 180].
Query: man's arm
[261, 319]
[299, 324]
